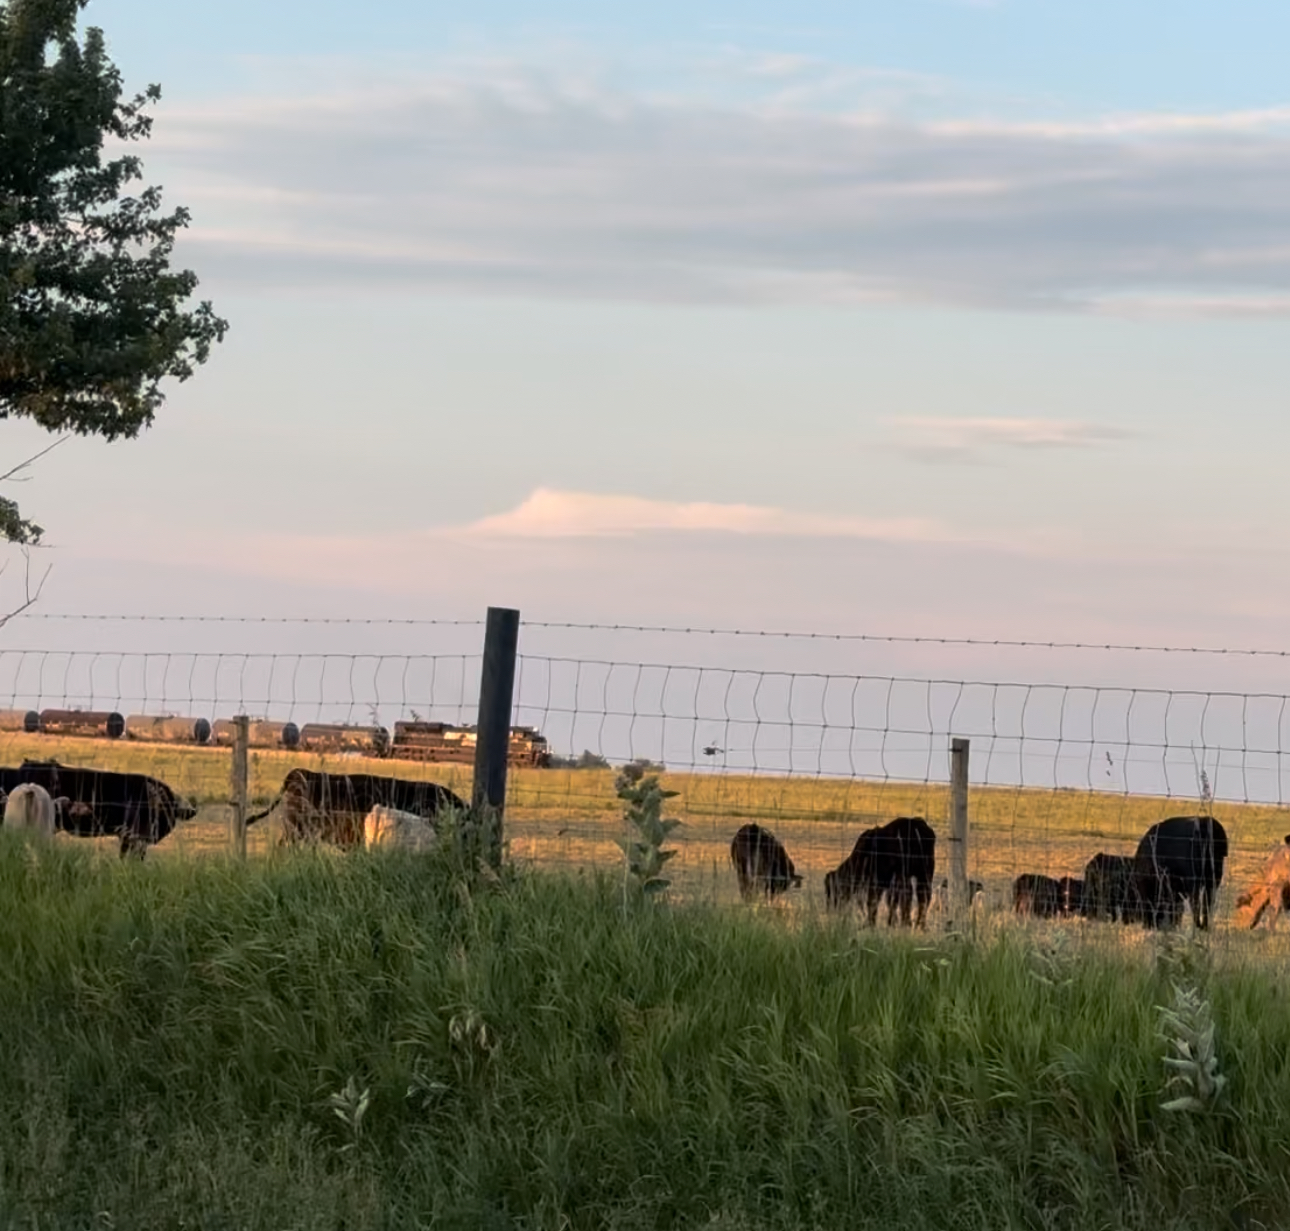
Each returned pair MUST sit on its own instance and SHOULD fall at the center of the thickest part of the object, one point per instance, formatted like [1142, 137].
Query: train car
[94, 724]
[168, 730]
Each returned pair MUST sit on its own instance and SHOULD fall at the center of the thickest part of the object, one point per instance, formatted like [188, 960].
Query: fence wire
[1059, 772]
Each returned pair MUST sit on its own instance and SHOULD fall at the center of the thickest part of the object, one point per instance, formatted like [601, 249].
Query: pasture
[383, 1042]
[571, 819]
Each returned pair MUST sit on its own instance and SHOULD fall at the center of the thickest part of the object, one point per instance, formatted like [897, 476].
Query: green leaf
[92, 316]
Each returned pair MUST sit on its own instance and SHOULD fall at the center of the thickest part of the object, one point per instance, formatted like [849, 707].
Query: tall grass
[390, 1042]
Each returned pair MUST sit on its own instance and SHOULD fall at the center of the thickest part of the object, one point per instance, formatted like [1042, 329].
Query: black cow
[323, 807]
[93, 803]
[1070, 896]
[1181, 857]
[898, 859]
[973, 888]
[1037, 895]
[1110, 889]
[761, 863]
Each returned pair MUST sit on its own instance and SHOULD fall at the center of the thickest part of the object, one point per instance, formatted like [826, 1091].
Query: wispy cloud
[503, 178]
[551, 514]
[938, 438]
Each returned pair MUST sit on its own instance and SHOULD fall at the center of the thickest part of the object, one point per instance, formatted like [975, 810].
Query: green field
[571, 818]
[175, 1032]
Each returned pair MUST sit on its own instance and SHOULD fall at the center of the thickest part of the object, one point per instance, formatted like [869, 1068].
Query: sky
[935, 317]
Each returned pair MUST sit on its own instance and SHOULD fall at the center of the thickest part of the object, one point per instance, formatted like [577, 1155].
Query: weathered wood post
[959, 900]
[239, 781]
[493, 729]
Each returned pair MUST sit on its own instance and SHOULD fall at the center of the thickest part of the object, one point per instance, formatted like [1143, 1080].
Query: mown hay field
[572, 819]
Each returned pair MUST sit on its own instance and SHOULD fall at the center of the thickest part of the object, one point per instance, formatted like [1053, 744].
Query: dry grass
[571, 818]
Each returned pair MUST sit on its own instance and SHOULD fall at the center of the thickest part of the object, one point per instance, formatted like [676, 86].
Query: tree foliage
[92, 317]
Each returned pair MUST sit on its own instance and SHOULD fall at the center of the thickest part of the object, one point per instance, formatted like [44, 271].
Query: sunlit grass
[572, 818]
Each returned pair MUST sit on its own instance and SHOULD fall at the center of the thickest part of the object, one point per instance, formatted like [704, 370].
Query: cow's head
[787, 877]
[780, 873]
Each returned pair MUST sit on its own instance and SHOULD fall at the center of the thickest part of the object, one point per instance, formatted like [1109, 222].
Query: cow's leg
[906, 901]
[872, 895]
[894, 902]
[1279, 900]
[1283, 903]
[924, 899]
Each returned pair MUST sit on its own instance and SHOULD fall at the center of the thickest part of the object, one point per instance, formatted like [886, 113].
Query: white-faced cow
[322, 807]
[94, 803]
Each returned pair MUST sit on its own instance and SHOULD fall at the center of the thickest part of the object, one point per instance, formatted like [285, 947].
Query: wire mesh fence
[1059, 772]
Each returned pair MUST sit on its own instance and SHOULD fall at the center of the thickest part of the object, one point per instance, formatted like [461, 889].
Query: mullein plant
[1189, 1027]
[643, 796]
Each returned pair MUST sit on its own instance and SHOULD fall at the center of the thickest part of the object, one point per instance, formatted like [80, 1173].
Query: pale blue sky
[1138, 54]
[912, 314]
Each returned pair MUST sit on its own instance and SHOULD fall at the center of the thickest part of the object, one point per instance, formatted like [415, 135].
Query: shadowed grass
[173, 1033]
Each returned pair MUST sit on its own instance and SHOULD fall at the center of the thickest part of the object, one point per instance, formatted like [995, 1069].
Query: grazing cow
[387, 827]
[93, 803]
[1037, 895]
[321, 807]
[973, 888]
[761, 863]
[1070, 896]
[1181, 857]
[28, 807]
[1110, 890]
[898, 859]
[1270, 891]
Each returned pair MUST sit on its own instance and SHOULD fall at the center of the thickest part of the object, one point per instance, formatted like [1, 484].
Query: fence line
[1136, 740]
[1058, 770]
[675, 630]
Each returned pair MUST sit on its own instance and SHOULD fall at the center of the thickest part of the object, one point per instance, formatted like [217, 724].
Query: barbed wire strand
[675, 630]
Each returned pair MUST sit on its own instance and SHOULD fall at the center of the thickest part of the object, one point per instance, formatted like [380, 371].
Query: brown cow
[332, 807]
[1271, 890]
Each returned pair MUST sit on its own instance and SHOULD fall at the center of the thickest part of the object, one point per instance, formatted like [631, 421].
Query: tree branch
[29, 598]
[21, 466]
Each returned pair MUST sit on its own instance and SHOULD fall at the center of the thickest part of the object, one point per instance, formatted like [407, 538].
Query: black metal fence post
[493, 730]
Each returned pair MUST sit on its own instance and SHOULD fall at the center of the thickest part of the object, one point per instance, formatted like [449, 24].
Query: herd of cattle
[346, 810]
[1179, 861]
[139, 811]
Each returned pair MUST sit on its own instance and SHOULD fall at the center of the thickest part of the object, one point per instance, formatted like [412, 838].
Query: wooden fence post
[239, 781]
[959, 899]
[493, 730]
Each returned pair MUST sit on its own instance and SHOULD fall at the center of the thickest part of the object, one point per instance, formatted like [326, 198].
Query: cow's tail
[259, 816]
